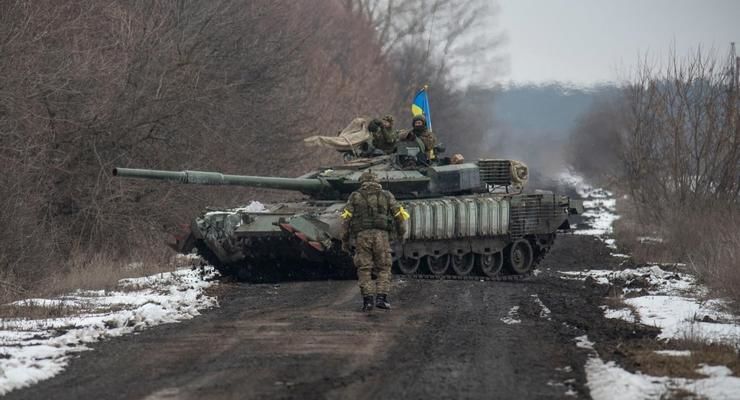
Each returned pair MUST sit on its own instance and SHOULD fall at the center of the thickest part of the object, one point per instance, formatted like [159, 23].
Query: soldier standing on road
[370, 216]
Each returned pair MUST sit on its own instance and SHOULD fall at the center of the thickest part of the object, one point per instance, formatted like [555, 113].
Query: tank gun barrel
[306, 185]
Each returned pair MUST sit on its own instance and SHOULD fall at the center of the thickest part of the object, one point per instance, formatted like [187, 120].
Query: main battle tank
[468, 220]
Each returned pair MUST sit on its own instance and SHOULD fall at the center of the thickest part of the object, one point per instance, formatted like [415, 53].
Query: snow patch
[624, 314]
[683, 317]
[512, 317]
[34, 350]
[254, 206]
[544, 311]
[608, 381]
[583, 342]
[673, 353]
[653, 278]
[673, 302]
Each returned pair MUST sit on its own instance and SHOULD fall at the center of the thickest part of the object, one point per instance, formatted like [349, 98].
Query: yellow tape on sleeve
[346, 214]
[402, 213]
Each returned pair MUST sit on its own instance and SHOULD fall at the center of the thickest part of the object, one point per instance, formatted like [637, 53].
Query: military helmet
[368, 176]
[419, 117]
[388, 118]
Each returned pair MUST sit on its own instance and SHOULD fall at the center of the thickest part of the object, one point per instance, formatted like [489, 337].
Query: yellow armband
[402, 213]
[346, 214]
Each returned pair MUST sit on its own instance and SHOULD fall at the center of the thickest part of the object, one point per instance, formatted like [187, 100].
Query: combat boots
[381, 301]
[367, 303]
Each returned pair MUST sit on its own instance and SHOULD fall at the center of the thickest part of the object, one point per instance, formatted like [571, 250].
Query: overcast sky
[587, 41]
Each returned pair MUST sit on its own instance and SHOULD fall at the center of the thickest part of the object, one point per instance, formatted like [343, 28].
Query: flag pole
[429, 106]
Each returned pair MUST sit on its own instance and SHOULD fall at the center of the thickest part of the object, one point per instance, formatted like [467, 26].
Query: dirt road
[306, 340]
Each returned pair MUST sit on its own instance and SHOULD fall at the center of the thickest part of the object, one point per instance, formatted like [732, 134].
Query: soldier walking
[370, 216]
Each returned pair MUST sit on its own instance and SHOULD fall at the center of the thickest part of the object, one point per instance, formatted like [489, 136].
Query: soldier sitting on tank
[427, 139]
[383, 136]
[370, 216]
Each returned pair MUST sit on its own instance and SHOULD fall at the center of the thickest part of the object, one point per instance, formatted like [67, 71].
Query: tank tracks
[244, 272]
[500, 278]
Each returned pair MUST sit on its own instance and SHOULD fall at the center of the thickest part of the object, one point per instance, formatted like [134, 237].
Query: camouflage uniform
[423, 135]
[370, 215]
[384, 138]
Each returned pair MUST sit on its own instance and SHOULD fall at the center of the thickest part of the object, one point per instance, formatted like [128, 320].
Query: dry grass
[29, 310]
[631, 226]
[97, 271]
[102, 271]
[648, 362]
[707, 240]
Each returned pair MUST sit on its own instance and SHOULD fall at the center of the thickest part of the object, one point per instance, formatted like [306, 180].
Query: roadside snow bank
[654, 296]
[34, 350]
[671, 301]
[608, 381]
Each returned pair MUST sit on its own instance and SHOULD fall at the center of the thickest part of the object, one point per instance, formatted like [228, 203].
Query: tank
[468, 220]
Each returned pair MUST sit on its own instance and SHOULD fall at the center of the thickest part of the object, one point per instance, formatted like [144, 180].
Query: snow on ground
[512, 317]
[544, 311]
[623, 313]
[34, 350]
[672, 301]
[608, 381]
[599, 207]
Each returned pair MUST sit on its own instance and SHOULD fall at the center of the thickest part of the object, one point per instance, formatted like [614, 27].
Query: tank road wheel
[519, 257]
[463, 264]
[408, 266]
[438, 265]
[490, 264]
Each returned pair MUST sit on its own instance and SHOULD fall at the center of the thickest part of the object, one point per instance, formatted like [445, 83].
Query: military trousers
[373, 255]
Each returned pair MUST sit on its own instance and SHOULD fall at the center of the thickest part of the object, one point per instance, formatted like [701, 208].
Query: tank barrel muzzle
[306, 185]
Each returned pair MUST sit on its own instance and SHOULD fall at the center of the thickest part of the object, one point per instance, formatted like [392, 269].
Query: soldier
[424, 137]
[384, 138]
[371, 214]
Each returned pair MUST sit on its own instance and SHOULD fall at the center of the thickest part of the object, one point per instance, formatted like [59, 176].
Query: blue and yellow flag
[420, 106]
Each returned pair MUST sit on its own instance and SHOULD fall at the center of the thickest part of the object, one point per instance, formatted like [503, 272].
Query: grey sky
[585, 41]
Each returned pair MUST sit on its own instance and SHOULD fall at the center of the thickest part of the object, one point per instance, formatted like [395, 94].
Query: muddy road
[307, 340]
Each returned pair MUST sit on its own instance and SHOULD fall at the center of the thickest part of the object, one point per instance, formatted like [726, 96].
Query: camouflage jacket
[385, 139]
[371, 207]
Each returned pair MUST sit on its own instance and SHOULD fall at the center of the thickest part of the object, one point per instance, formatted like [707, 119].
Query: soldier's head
[419, 123]
[388, 121]
[374, 125]
[368, 177]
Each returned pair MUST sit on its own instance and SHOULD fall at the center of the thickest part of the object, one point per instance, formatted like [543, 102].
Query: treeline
[671, 142]
[218, 85]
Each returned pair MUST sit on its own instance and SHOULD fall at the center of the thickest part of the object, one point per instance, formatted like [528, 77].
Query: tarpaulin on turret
[349, 139]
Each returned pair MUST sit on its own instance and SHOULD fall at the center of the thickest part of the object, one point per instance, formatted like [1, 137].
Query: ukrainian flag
[420, 106]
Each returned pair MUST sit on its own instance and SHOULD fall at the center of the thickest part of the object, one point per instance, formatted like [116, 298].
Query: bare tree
[221, 85]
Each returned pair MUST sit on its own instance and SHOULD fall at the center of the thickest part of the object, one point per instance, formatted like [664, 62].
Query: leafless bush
[219, 85]
[679, 146]
[680, 143]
